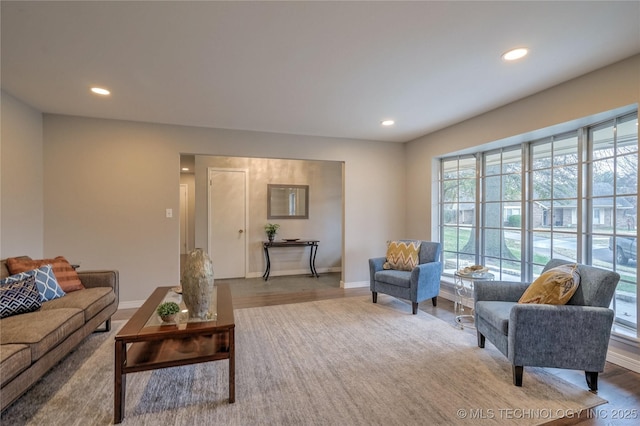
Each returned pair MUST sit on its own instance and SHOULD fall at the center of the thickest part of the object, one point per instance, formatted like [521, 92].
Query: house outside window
[571, 196]
[597, 216]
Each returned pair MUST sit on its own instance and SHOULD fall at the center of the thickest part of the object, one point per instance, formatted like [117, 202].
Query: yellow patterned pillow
[553, 287]
[402, 255]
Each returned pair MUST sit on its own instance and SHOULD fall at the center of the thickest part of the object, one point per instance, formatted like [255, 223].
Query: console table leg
[267, 269]
[312, 260]
[120, 382]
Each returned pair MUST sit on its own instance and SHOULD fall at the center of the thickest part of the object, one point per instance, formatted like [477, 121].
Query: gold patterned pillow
[402, 255]
[553, 287]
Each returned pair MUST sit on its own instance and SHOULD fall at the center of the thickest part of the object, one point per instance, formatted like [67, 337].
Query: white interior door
[227, 222]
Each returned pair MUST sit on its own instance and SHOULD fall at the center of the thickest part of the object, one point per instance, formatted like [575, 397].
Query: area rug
[333, 362]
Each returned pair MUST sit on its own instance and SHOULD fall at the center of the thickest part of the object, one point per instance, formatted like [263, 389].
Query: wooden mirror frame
[272, 188]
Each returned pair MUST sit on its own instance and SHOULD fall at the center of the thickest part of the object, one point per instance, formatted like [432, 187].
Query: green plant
[168, 308]
[514, 220]
[271, 228]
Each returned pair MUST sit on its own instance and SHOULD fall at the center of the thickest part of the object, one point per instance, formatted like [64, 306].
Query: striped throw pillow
[65, 274]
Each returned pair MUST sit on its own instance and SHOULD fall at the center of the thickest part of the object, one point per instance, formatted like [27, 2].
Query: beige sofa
[34, 342]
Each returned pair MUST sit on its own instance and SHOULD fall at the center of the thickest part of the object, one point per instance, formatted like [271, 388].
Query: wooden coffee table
[145, 343]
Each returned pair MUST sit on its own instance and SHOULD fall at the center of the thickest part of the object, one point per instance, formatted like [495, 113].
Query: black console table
[312, 244]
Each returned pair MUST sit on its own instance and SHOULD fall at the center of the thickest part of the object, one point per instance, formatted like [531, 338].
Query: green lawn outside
[627, 281]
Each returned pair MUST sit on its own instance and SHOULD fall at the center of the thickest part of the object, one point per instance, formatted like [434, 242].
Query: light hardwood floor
[619, 386]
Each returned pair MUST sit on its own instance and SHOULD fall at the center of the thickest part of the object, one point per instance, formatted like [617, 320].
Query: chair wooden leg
[434, 300]
[592, 380]
[414, 307]
[517, 375]
[480, 339]
[374, 294]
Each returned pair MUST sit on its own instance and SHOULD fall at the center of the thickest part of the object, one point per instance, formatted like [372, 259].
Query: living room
[96, 188]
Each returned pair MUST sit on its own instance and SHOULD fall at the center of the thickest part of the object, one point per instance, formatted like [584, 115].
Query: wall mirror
[287, 201]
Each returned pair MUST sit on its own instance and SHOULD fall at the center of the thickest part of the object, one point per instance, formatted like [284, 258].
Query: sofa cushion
[14, 359]
[19, 297]
[495, 313]
[90, 300]
[45, 281]
[393, 277]
[65, 274]
[553, 287]
[402, 255]
[41, 330]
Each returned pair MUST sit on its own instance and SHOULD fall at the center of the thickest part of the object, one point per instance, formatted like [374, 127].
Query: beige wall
[325, 210]
[119, 177]
[21, 183]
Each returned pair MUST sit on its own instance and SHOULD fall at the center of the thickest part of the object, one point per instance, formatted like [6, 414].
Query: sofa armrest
[578, 335]
[104, 278]
[499, 291]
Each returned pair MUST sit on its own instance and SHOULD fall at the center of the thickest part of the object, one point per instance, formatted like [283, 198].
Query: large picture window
[571, 196]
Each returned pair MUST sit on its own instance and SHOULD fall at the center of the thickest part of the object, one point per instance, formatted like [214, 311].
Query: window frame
[580, 235]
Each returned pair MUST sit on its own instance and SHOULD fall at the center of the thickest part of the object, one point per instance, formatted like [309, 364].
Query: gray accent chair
[572, 336]
[422, 283]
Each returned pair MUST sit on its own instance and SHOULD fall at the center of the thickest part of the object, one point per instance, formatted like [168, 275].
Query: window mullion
[527, 220]
[479, 206]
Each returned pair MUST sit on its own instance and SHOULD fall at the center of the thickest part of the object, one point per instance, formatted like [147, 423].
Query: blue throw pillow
[19, 297]
[45, 281]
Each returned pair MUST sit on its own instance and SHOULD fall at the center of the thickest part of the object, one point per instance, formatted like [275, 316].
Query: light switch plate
[169, 212]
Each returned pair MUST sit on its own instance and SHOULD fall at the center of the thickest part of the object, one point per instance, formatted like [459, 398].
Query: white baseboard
[623, 361]
[354, 284]
[132, 304]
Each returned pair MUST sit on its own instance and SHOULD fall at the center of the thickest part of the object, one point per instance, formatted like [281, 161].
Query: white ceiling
[311, 68]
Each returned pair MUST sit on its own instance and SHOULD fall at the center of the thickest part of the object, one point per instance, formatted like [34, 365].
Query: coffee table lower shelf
[157, 354]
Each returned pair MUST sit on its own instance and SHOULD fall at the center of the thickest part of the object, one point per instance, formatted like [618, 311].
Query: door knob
[241, 231]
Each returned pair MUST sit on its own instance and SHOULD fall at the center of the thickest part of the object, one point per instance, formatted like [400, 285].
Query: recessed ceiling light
[387, 122]
[100, 91]
[514, 54]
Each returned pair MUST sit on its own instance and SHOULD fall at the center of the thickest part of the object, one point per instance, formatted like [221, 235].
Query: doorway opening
[325, 221]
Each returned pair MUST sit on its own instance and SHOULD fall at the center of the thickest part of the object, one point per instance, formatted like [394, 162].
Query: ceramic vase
[197, 284]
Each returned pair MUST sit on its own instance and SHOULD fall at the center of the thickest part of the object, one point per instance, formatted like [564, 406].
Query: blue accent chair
[573, 336]
[422, 283]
